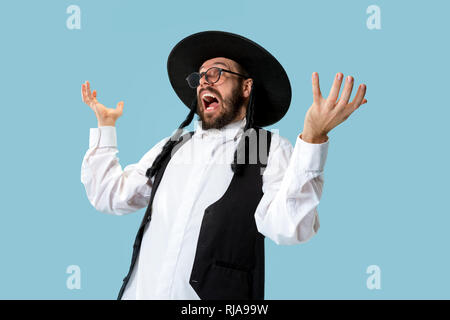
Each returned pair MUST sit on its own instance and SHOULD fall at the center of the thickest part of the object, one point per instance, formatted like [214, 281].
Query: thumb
[94, 94]
[119, 107]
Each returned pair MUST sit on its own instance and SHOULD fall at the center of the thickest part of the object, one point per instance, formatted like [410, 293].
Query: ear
[247, 87]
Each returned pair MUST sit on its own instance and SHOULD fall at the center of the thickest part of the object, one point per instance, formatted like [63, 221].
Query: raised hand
[105, 116]
[327, 113]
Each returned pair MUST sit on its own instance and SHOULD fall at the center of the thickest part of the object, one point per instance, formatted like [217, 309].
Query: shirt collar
[230, 131]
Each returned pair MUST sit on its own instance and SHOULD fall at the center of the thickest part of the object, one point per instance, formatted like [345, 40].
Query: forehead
[220, 61]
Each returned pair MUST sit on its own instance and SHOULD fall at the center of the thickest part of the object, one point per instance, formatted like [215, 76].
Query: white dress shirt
[197, 175]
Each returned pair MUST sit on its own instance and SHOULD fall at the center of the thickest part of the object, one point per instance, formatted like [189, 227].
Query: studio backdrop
[384, 217]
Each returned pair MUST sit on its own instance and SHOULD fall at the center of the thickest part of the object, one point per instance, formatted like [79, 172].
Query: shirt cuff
[310, 156]
[102, 137]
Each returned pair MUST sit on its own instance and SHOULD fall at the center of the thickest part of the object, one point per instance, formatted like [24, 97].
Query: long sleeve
[292, 186]
[109, 188]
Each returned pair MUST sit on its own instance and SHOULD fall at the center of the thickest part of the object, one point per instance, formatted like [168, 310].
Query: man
[202, 236]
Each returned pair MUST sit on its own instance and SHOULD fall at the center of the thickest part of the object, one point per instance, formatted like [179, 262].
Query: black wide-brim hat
[272, 89]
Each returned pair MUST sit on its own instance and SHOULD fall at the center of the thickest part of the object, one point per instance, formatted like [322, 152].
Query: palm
[327, 113]
[103, 114]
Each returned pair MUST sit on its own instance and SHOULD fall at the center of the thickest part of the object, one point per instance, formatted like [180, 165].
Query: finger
[334, 92]
[357, 100]
[354, 108]
[83, 93]
[94, 94]
[88, 90]
[119, 107]
[347, 91]
[317, 95]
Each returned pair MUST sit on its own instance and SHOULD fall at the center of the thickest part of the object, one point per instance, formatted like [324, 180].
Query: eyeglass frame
[201, 74]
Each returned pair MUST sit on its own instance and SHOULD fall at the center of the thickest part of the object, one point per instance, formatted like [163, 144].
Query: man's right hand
[105, 116]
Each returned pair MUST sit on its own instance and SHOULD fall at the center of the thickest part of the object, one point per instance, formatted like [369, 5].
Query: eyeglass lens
[212, 75]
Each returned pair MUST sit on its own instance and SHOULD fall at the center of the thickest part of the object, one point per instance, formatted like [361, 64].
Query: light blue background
[385, 195]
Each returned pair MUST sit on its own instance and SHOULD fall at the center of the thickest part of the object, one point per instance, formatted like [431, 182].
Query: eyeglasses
[212, 75]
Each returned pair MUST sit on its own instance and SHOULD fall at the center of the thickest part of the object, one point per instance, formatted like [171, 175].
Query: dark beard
[228, 113]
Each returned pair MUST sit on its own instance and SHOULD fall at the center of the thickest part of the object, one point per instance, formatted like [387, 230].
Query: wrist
[106, 123]
[322, 138]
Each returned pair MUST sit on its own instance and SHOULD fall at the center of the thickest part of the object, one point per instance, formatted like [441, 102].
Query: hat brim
[272, 89]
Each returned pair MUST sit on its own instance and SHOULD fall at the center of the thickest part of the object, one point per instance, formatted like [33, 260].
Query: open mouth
[210, 102]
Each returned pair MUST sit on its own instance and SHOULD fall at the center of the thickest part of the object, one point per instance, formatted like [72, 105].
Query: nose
[203, 84]
[203, 80]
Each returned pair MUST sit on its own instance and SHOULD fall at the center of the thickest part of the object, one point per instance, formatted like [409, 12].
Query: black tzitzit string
[242, 145]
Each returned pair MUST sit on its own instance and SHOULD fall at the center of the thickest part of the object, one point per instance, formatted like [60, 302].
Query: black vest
[229, 259]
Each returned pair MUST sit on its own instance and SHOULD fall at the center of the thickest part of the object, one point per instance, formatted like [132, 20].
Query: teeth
[208, 95]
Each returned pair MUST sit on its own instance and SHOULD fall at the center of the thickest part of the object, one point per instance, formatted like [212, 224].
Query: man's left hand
[326, 114]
